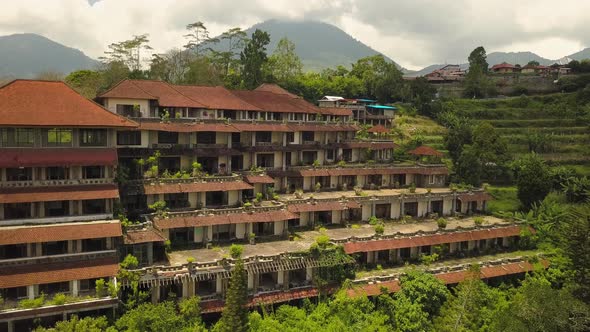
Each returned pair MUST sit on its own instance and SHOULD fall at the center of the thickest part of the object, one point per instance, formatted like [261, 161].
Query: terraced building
[201, 168]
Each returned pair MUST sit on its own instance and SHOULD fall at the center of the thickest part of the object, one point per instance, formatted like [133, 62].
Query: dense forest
[550, 198]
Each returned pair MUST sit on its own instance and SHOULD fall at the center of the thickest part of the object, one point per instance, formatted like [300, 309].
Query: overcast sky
[414, 33]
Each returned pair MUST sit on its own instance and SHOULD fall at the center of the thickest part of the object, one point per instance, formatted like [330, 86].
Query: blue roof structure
[383, 107]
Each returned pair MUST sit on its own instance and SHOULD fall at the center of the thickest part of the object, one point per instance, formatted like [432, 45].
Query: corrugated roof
[58, 193]
[47, 103]
[59, 232]
[171, 188]
[47, 157]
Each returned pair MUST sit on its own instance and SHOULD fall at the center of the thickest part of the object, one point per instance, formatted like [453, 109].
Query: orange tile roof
[369, 145]
[58, 272]
[322, 127]
[372, 171]
[336, 111]
[59, 232]
[63, 193]
[426, 240]
[280, 103]
[46, 103]
[194, 187]
[165, 93]
[425, 151]
[276, 89]
[31, 157]
[263, 178]
[143, 236]
[187, 127]
[215, 97]
[261, 126]
[224, 219]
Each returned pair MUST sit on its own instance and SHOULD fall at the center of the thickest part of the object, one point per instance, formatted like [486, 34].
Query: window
[290, 137]
[17, 210]
[165, 137]
[93, 172]
[308, 136]
[57, 173]
[57, 137]
[129, 137]
[56, 287]
[330, 154]
[129, 110]
[14, 293]
[206, 137]
[176, 201]
[93, 137]
[94, 244]
[263, 137]
[18, 137]
[19, 174]
[93, 206]
[54, 248]
[57, 208]
[87, 285]
[12, 251]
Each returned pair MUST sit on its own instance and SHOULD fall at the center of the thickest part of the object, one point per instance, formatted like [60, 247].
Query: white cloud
[414, 33]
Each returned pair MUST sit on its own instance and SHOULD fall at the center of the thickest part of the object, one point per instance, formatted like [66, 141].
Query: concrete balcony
[91, 255]
[56, 220]
[46, 183]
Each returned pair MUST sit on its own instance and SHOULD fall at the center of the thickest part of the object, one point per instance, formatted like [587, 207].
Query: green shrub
[441, 222]
[236, 250]
[59, 299]
[379, 229]
[478, 221]
[32, 303]
[322, 241]
[101, 288]
[373, 221]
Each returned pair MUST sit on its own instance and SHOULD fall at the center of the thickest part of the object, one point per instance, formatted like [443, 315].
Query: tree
[532, 179]
[423, 289]
[478, 60]
[128, 52]
[235, 38]
[533, 63]
[49, 76]
[576, 245]
[170, 66]
[381, 78]
[86, 324]
[148, 317]
[198, 37]
[234, 317]
[459, 134]
[537, 307]
[253, 59]
[85, 82]
[470, 306]
[469, 168]
[491, 150]
[409, 316]
[422, 94]
[284, 63]
[202, 72]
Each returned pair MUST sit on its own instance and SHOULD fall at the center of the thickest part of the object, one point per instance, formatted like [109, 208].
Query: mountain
[583, 54]
[521, 58]
[25, 55]
[319, 45]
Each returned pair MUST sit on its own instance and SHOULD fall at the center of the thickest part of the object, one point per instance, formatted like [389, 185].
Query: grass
[505, 199]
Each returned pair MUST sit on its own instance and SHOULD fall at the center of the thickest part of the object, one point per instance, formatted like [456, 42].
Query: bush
[442, 223]
[322, 241]
[478, 221]
[59, 299]
[373, 220]
[34, 303]
[379, 229]
[101, 288]
[236, 250]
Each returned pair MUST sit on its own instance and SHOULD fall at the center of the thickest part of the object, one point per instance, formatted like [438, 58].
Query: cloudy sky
[414, 33]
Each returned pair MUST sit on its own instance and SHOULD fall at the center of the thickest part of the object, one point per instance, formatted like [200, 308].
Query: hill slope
[319, 45]
[24, 55]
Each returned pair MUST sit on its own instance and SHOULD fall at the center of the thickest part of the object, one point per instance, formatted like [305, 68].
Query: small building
[532, 69]
[504, 67]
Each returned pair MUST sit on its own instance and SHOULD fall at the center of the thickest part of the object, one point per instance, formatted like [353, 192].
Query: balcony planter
[252, 238]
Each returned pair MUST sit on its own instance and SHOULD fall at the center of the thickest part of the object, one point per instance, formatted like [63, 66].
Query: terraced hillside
[556, 126]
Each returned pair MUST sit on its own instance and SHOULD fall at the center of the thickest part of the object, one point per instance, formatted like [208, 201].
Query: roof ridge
[173, 87]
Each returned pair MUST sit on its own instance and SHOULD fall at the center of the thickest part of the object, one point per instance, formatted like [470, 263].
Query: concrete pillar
[31, 250]
[414, 252]
[109, 243]
[155, 293]
[219, 285]
[31, 291]
[39, 248]
[280, 277]
[309, 273]
[471, 245]
[75, 286]
[453, 247]
[10, 326]
[188, 288]
[251, 277]
[371, 257]
[150, 253]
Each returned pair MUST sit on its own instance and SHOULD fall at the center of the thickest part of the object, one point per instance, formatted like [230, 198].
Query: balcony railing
[213, 178]
[276, 206]
[91, 255]
[44, 183]
[56, 220]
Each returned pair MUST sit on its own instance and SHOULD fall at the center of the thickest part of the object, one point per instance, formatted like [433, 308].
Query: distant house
[531, 69]
[504, 67]
[446, 74]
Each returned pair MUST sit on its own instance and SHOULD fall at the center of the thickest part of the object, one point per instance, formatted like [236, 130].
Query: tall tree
[198, 37]
[253, 59]
[532, 179]
[576, 246]
[128, 52]
[382, 79]
[85, 82]
[234, 317]
[170, 67]
[235, 39]
[284, 63]
[478, 60]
